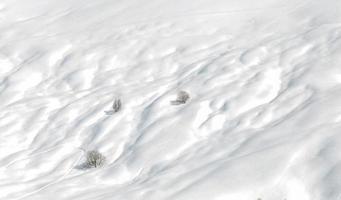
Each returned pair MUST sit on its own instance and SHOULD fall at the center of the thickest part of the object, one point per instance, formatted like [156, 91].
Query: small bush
[182, 98]
[94, 159]
[117, 105]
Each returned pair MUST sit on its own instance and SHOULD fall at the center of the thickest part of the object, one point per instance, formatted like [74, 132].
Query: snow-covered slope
[263, 120]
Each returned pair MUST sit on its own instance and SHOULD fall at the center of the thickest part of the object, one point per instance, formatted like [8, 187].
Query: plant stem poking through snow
[182, 98]
[117, 105]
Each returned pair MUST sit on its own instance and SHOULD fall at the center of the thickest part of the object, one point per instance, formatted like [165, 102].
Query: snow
[262, 122]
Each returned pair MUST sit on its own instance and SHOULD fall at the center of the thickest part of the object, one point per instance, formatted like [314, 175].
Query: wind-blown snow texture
[263, 119]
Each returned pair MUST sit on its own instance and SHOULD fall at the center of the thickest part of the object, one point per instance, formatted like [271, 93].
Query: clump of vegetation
[94, 159]
[182, 98]
[117, 105]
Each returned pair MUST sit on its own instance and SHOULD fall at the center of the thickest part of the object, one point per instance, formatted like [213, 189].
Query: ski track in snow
[262, 121]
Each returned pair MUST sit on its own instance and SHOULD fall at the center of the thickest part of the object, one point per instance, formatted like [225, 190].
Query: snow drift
[262, 121]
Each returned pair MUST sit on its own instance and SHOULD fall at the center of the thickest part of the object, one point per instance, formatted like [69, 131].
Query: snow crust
[262, 122]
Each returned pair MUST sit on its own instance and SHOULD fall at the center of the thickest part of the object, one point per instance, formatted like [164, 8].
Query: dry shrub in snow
[117, 105]
[94, 159]
[182, 98]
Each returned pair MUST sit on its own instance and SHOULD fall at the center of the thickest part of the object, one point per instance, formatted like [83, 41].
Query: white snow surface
[263, 120]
